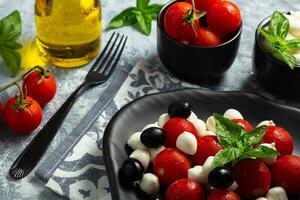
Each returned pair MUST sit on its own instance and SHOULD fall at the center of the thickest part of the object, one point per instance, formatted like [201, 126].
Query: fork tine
[112, 65]
[102, 53]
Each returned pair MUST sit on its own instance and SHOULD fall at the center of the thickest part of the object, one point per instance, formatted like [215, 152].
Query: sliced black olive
[221, 177]
[152, 137]
[179, 109]
[132, 170]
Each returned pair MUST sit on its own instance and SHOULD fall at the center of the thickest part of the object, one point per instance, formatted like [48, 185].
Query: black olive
[179, 109]
[152, 137]
[221, 177]
[132, 170]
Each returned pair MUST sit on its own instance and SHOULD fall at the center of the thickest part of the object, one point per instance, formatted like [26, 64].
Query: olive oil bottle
[68, 31]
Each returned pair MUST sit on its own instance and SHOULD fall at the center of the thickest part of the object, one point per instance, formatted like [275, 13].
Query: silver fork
[98, 74]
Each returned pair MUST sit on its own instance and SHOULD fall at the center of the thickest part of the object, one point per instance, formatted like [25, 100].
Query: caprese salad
[182, 157]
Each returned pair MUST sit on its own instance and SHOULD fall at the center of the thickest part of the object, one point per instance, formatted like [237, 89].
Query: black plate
[134, 116]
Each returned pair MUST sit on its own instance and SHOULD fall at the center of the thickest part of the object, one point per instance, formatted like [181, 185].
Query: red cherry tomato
[203, 4]
[171, 165]
[184, 189]
[22, 114]
[175, 24]
[253, 178]
[174, 127]
[206, 146]
[206, 38]
[40, 84]
[286, 173]
[243, 123]
[223, 195]
[283, 140]
[224, 17]
[1, 110]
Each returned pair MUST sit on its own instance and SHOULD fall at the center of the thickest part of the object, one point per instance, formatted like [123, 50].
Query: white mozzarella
[233, 186]
[265, 123]
[200, 126]
[211, 124]
[294, 26]
[209, 133]
[295, 14]
[277, 193]
[155, 151]
[197, 174]
[187, 143]
[150, 184]
[192, 117]
[208, 165]
[297, 56]
[151, 125]
[135, 141]
[163, 119]
[261, 198]
[271, 160]
[141, 155]
[233, 114]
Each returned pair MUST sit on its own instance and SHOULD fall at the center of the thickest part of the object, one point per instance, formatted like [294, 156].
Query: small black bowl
[194, 63]
[272, 74]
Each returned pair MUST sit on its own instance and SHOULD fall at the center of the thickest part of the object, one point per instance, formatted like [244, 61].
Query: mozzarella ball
[135, 141]
[151, 125]
[265, 123]
[187, 143]
[277, 193]
[208, 165]
[209, 133]
[163, 119]
[211, 124]
[294, 25]
[233, 186]
[200, 126]
[295, 14]
[150, 184]
[233, 114]
[141, 155]
[261, 198]
[155, 151]
[192, 117]
[270, 160]
[197, 174]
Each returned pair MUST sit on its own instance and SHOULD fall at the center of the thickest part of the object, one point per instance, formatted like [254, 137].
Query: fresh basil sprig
[10, 31]
[239, 144]
[276, 34]
[141, 15]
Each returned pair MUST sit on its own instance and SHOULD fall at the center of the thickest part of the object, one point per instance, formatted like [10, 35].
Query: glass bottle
[68, 31]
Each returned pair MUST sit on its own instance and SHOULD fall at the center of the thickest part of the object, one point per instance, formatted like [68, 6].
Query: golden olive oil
[68, 31]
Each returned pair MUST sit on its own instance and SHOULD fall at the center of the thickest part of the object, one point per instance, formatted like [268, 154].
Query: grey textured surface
[139, 47]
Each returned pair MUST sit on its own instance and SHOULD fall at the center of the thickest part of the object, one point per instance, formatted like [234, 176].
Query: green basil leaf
[285, 57]
[144, 23]
[152, 10]
[260, 152]
[253, 137]
[12, 59]
[279, 25]
[228, 132]
[226, 156]
[142, 3]
[292, 44]
[12, 45]
[125, 18]
[267, 34]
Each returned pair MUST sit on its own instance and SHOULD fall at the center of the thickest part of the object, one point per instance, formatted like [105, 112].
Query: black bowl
[193, 63]
[271, 73]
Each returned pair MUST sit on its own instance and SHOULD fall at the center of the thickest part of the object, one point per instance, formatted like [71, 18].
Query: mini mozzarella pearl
[163, 119]
[211, 124]
[187, 143]
[135, 142]
[196, 173]
[192, 117]
[261, 198]
[150, 184]
[208, 165]
[155, 151]
[233, 186]
[271, 160]
[141, 155]
[200, 126]
[150, 125]
[233, 114]
[277, 193]
[211, 133]
[294, 25]
[265, 123]
[295, 14]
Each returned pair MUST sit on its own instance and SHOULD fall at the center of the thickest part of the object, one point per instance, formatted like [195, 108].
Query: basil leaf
[260, 152]
[226, 156]
[292, 44]
[279, 25]
[11, 58]
[253, 137]
[285, 57]
[228, 132]
[125, 18]
[152, 10]
[144, 23]
[267, 34]
[142, 3]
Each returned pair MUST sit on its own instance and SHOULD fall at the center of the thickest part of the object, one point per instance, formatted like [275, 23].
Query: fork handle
[29, 158]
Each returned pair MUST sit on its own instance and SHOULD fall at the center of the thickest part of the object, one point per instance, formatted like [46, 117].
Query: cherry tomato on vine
[40, 84]
[22, 114]
[206, 38]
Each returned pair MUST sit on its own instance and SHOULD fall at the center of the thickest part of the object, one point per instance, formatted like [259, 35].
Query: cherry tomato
[22, 114]
[178, 23]
[40, 84]
[217, 194]
[206, 38]
[1, 110]
[243, 123]
[223, 17]
[203, 4]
